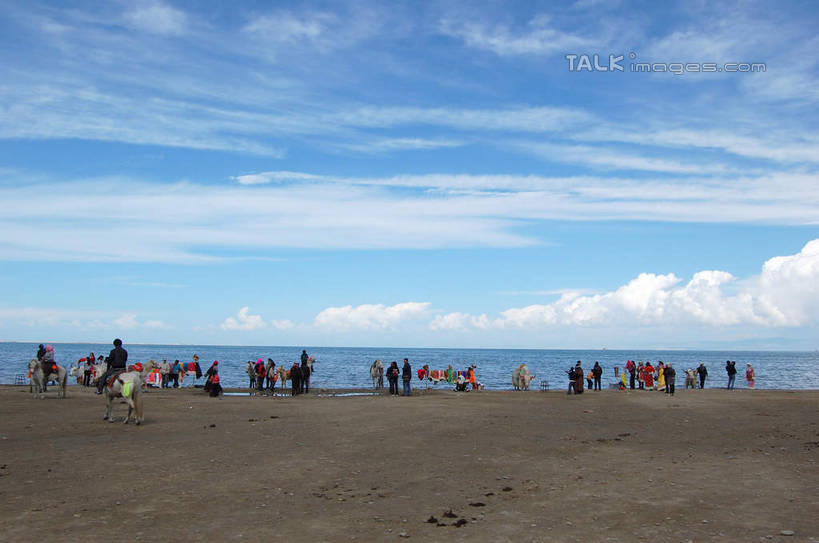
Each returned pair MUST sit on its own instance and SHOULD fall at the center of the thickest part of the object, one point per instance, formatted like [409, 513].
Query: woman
[649, 376]
[660, 375]
[212, 370]
[750, 376]
[215, 385]
[392, 376]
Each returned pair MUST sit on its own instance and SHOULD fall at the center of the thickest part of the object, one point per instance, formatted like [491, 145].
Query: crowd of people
[264, 376]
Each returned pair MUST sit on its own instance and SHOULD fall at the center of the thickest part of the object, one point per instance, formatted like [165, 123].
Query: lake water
[342, 367]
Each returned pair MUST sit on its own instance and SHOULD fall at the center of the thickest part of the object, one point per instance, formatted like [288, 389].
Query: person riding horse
[117, 359]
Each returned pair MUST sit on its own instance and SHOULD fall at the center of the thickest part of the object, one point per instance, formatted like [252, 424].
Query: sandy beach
[482, 466]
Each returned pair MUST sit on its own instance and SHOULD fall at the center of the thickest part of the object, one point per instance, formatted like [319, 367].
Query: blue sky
[410, 174]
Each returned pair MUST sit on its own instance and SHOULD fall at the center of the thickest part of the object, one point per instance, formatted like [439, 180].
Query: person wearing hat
[578, 378]
[406, 377]
[702, 372]
[117, 359]
[212, 381]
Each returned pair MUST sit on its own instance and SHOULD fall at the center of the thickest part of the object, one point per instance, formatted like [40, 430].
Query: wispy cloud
[244, 321]
[370, 316]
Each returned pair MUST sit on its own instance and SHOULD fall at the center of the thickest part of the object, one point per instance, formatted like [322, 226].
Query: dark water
[338, 367]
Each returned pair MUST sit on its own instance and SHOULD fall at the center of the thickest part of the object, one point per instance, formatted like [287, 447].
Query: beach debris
[251, 420]
[403, 534]
[460, 522]
[450, 514]
[489, 494]
[477, 504]
[432, 520]
[213, 426]
[507, 489]
[787, 532]
[441, 524]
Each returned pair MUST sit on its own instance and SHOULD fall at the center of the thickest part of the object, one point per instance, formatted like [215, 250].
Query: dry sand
[637, 466]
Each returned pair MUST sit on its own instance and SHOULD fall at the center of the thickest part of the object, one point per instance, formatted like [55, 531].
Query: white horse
[128, 386]
[38, 380]
[284, 375]
[377, 374]
[250, 369]
[521, 377]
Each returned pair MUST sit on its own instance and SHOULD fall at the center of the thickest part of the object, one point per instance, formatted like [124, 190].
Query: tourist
[270, 373]
[597, 371]
[670, 379]
[641, 375]
[578, 378]
[702, 372]
[392, 377]
[573, 381]
[295, 379]
[660, 375]
[690, 379]
[212, 370]
[305, 374]
[87, 369]
[174, 374]
[649, 376]
[164, 371]
[590, 380]
[406, 377]
[750, 375]
[304, 357]
[731, 370]
[260, 371]
[631, 368]
[117, 359]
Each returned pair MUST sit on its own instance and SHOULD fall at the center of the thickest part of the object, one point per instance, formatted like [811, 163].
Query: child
[750, 375]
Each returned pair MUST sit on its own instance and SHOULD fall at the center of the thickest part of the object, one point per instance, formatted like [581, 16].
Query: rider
[117, 359]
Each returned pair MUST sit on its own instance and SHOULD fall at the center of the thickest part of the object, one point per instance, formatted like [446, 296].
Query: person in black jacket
[295, 379]
[305, 375]
[670, 378]
[702, 372]
[392, 376]
[731, 369]
[597, 372]
[117, 359]
[406, 377]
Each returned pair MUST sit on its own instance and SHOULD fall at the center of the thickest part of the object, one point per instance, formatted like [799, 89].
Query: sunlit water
[337, 367]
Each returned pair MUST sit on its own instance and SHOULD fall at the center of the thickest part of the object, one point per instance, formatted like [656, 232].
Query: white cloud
[540, 37]
[370, 316]
[244, 321]
[786, 293]
[83, 319]
[157, 18]
[283, 324]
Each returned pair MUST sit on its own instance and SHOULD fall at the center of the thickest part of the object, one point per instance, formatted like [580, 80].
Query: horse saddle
[113, 378]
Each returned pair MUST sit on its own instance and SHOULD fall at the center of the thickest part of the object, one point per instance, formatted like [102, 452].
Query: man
[305, 374]
[295, 379]
[117, 359]
[670, 379]
[597, 372]
[702, 372]
[174, 375]
[164, 370]
[270, 373]
[730, 368]
[406, 377]
[304, 358]
[632, 372]
[572, 380]
[260, 370]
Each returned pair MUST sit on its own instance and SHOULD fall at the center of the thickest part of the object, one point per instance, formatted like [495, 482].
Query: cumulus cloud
[786, 293]
[370, 316]
[244, 321]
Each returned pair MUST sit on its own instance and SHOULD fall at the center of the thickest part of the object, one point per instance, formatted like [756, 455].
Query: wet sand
[614, 466]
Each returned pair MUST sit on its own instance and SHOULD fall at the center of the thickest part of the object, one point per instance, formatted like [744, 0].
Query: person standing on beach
[660, 375]
[750, 375]
[632, 373]
[731, 370]
[295, 379]
[270, 373]
[304, 357]
[641, 375]
[649, 376]
[573, 381]
[670, 379]
[392, 376]
[406, 377]
[212, 370]
[597, 372]
[702, 372]
[117, 359]
[305, 374]
[590, 380]
[174, 375]
[578, 378]
[164, 371]
[89, 366]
